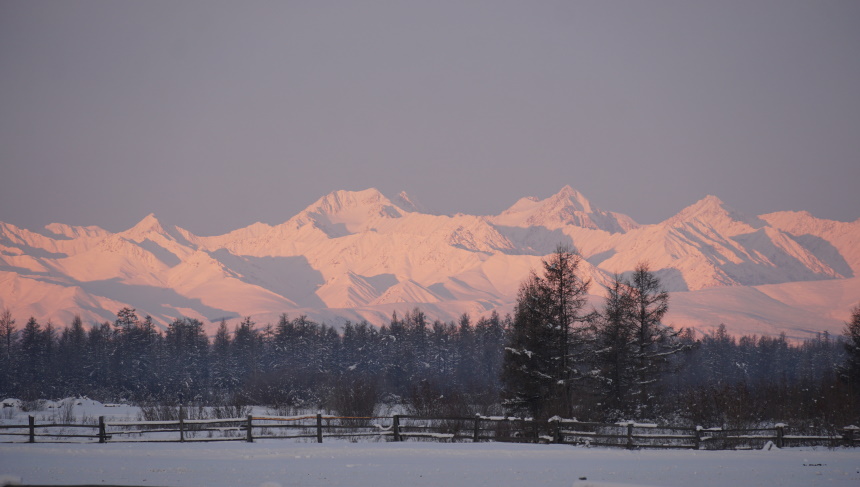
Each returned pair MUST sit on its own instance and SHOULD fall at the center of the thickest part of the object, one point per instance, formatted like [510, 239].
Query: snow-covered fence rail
[647, 435]
[627, 434]
[55, 432]
[319, 426]
[231, 429]
[474, 428]
[407, 427]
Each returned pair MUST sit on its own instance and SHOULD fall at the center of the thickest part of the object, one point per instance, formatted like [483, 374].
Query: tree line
[553, 356]
[294, 363]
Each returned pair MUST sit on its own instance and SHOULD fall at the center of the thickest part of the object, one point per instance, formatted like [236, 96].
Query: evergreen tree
[850, 370]
[540, 363]
[416, 364]
[49, 371]
[654, 341]
[245, 353]
[491, 335]
[633, 346]
[98, 355]
[31, 367]
[134, 355]
[396, 359]
[467, 357]
[718, 352]
[360, 349]
[186, 358]
[615, 337]
[224, 376]
[8, 334]
[71, 351]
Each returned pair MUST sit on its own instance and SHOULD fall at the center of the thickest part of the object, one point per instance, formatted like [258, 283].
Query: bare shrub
[230, 410]
[66, 411]
[355, 397]
[429, 399]
[158, 412]
[32, 405]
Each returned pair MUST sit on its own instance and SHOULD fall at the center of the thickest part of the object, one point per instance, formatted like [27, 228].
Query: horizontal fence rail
[630, 435]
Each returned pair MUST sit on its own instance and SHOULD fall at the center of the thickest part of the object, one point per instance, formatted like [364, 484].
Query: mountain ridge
[361, 255]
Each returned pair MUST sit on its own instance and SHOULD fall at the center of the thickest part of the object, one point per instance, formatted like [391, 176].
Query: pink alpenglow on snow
[361, 255]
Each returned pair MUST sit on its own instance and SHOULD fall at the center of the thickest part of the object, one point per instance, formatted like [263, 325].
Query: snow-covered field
[288, 463]
[285, 463]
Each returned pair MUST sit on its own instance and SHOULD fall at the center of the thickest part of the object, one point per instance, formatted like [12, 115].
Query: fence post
[181, 426]
[102, 430]
[319, 428]
[477, 429]
[32, 422]
[630, 435]
[780, 435]
[395, 426]
[249, 436]
[848, 433]
[697, 438]
[556, 431]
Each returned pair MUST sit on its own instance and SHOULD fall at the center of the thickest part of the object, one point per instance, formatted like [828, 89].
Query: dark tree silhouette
[540, 362]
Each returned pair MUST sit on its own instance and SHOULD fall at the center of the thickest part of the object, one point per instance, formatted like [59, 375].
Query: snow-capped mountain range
[361, 255]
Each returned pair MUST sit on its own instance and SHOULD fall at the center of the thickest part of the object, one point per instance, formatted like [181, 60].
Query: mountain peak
[710, 200]
[708, 205]
[149, 224]
[567, 190]
[152, 225]
[715, 212]
[342, 212]
[573, 199]
[567, 207]
[338, 201]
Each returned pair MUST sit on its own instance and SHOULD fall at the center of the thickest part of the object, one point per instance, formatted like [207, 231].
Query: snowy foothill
[418, 463]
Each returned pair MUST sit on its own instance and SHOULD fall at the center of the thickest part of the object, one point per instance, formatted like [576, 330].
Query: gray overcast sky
[216, 115]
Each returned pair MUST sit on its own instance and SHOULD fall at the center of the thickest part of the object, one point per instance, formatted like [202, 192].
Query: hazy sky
[216, 115]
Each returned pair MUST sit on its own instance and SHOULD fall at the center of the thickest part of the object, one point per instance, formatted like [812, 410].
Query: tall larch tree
[540, 361]
[654, 341]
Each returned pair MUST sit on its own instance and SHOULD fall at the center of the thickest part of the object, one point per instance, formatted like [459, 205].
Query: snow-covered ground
[378, 463]
[288, 463]
[69, 410]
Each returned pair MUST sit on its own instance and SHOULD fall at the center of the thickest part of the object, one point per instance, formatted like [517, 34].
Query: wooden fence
[629, 435]
[647, 435]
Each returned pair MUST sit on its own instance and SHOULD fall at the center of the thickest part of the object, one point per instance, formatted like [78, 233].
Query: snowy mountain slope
[709, 244]
[51, 301]
[800, 309]
[361, 255]
[838, 243]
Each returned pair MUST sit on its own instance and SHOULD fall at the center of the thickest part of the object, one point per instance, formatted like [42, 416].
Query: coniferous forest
[554, 356]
